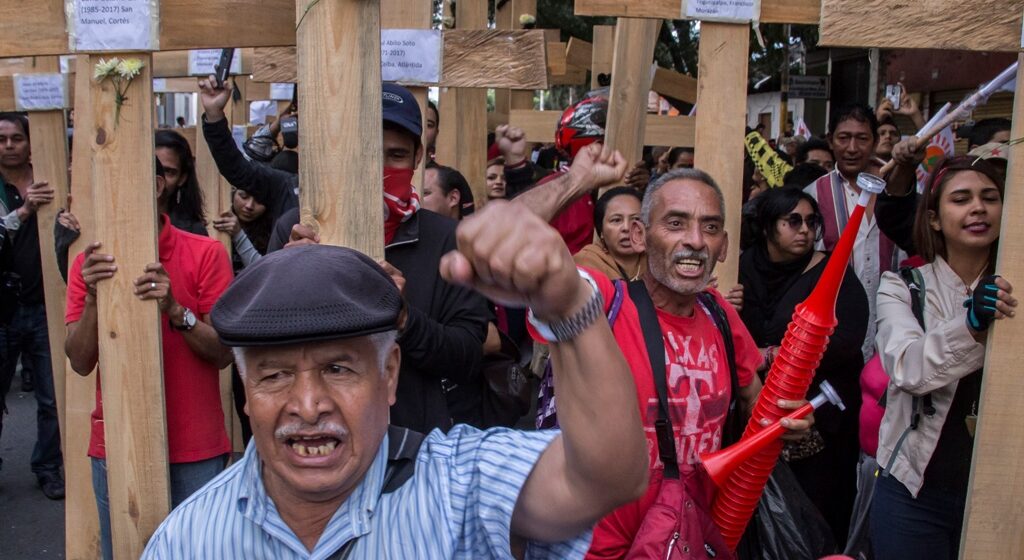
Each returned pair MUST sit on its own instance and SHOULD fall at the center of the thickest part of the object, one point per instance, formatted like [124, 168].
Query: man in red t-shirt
[192, 273]
[682, 228]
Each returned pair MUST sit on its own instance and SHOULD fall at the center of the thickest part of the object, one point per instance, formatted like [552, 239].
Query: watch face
[189, 319]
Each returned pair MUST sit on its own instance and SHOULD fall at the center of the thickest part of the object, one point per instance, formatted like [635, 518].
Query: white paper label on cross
[282, 91]
[410, 56]
[159, 85]
[113, 25]
[238, 133]
[40, 92]
[732, 11]
[203, 62]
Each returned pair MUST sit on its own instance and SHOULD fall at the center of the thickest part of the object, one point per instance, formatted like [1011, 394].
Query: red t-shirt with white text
[200, 271]
[699, 391]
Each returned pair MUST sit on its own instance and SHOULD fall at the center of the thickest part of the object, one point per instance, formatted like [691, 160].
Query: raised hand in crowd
[214, 99]
[511, 141]
[638, 176]
[67, 219]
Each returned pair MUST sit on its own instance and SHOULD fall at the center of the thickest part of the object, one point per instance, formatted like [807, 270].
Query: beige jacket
[920, 362]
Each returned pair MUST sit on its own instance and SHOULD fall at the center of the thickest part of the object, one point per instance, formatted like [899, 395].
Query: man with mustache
[326, 477]
[681, 226]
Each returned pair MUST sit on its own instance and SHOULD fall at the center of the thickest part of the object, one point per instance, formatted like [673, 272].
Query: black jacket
[275, 189]
[895, 215]
[444, 336]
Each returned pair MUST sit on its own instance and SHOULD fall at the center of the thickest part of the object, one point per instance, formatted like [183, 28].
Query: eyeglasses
[795, 220]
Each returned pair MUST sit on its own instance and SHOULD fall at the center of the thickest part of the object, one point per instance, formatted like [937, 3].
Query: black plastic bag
[786, 524]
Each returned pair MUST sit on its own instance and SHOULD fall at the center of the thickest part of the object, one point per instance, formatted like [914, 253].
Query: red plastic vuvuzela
[790, 376]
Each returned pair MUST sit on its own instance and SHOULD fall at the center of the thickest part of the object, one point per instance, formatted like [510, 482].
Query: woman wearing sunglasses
[935, 370]
[778, 271]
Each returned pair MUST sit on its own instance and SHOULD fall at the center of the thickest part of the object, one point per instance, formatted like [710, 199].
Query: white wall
[769, 103]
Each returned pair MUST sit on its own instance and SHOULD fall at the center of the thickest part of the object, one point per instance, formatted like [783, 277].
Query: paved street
[31, 526]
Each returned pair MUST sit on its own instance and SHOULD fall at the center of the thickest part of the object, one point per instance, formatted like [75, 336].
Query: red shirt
[698, 391]
[200, 271]
[576, 222]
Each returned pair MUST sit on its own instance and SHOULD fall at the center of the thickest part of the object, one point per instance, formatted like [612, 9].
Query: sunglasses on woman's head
[794, 221]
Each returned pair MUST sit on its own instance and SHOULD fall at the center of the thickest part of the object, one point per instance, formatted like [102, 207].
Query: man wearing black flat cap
[443, 326]
[326, 477]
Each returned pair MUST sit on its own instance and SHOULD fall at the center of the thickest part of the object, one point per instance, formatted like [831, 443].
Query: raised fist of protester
[228, 223]
[516, 259]
[595, 167]
[95, 268]
[156, 284]
[990, 301]
[511, 141]
[903, 152]
[638, 176]
[214, 99]
[37, 195]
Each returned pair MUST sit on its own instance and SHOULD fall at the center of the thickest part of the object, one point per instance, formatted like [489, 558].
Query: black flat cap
[306, 294]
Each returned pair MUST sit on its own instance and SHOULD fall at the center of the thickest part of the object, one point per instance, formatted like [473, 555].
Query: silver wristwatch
[570, 327]
[188, 321]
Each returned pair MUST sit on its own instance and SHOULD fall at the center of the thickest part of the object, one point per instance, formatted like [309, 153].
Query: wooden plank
[184, 24]
[660, 130]
[81, 525]
[522, 99]
[470, 114]
[631, 85]
[994, 520]
[772, 11]
[130, 350]
[603, 53]
[494, 58]
[675, 85]
[472, 58]
[979, 25]
[573, 77]
[179, 85]
[557, 63]
[341, 189]
[174, 64]
[721, 122]
[579, 53]
[402, 14]
[189, 133]
[49, 140]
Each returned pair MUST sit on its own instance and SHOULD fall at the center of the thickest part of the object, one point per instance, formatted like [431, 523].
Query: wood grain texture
[184, 24]
[994, 520]
[180, 85]
[174, 64]
[81, 526]
[557, 61]
[189, 133]
[660, 130]
[772, 11]
[470, 116]
[495, 59]
[978, 25]
[339, 66]
[602, 52]
[631, 84]
[130, 349]
[49, 141]
[579, 53]
[471, 58]
[721, 122]
[403, 14]
[675, 85]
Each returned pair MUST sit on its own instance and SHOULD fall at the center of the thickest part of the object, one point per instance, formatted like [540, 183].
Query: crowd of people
[526, 373]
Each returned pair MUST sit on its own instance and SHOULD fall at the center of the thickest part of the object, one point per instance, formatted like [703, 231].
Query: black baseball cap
[401, 108]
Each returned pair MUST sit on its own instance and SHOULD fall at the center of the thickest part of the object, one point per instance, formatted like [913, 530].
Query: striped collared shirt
[458, 504]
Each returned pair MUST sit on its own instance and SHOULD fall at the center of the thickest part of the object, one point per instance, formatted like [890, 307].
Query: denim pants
[186, 478]
[927, 527]
[27, 337]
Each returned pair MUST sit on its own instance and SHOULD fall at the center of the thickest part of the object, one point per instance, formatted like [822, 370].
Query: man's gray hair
[382, 342]
[681, 174]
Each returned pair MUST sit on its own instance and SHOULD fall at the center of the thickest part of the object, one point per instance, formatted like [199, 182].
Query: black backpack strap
[923, 404]
[734, 426]
[403, 447]
[656, 353]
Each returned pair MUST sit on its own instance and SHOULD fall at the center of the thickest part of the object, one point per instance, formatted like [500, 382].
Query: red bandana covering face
[400, 200]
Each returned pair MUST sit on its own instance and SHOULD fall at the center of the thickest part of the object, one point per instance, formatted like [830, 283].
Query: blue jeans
[186, 478]
[926, 527]
[27, 337]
